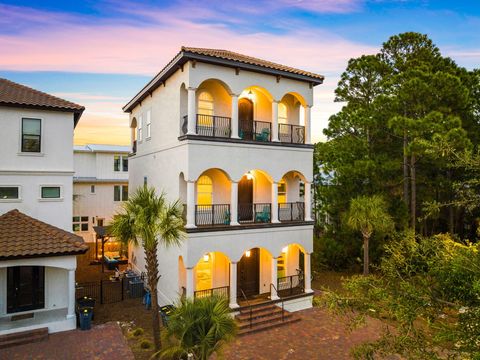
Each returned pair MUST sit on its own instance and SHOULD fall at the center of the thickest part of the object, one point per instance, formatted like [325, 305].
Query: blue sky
[100, 53]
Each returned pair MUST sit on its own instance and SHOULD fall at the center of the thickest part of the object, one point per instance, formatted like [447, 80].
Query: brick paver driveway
[101, 342]
[319, 335]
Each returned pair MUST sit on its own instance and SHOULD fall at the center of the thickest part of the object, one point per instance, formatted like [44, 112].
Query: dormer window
[31, 135]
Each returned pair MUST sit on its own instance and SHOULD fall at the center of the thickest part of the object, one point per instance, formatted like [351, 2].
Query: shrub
[145, 344]
[137, 332]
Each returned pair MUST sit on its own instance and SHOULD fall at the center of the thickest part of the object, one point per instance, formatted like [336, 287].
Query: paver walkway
[104, 341]
[319, 335]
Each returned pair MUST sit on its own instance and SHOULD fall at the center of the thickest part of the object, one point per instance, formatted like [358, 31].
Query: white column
[234, 203]
[235, 116]
[307, 111]
[71, 294]
[192, 116]
[190, 204]
[275, 202]
[275, 120]
[308, 274]
[233, 285]
[308, 201]
[273, 292]
[190, 283]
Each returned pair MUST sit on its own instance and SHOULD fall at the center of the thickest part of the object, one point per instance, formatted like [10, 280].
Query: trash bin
[84, 303]
[85, 316]
[147, 300]
[165, 312]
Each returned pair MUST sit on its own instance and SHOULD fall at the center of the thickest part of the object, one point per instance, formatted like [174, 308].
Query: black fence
[255, 213]
[255, 130]
[292, 211]
[217, 214]
[108, 291]
[223, 291]
[213, 126]
[290, 285]
[184, 125]
[291, 133]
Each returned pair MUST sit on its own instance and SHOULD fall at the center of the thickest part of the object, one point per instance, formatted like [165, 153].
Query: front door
[245, 119]
[25, 288]
[245, 199]
[248, 273]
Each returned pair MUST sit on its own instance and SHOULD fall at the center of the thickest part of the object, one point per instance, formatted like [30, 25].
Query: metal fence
[213, 126]
[108, 292]
[291, 133]
[223, 291]
[255, 213]
[291, 211]
[217, 214]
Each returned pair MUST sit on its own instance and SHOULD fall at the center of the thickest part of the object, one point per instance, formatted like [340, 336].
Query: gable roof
[17, 95]
[22, 236]
[224, 58]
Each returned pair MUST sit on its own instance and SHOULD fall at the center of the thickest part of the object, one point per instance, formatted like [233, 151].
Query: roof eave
[184, 56]
[33, 256]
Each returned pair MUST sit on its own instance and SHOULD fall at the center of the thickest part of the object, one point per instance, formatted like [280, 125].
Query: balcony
[291, 212]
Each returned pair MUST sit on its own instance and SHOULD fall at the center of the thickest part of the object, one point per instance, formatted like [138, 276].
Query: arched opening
[133, 135]
[182, 277]
[183, 110]
[254, 197]
[254, 272]
[211, 274]
[212, 198]
[291, 191]
[255, 114]
[291, 270]
[290, 118]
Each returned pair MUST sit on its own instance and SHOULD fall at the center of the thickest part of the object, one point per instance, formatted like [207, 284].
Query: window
[282, 192]
[50, 192]
[9, 192]
[120, 193]
[80, 223]
[140, 132]
[31, 135]
[149, 123]
[282, 113]
[92, 189]
[205, 103]
[120, 161]
[204, 190]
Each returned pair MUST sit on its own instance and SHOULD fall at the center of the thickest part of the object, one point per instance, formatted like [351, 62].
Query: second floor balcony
[216, 201]
[254, 115]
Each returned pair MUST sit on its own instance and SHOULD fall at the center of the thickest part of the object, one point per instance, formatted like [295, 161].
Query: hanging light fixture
[206, 257]
[285, 249]
[247, 253]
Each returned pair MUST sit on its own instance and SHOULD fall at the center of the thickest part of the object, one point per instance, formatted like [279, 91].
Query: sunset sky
[100, 53]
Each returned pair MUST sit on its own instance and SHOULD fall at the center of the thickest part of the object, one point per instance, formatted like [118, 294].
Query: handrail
[250, 307]
[276, 292]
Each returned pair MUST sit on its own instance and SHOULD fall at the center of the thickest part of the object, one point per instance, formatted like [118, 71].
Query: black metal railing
[184, 125]
[291, 211]
[255, 213]
[290, 285]
[255, 130]
[294, 134]
[134, 147]
[213, 126]
[208, 215]
[223, 291]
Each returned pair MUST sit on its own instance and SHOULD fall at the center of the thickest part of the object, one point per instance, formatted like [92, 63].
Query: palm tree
[148, 219]
[198, 327]
[368, 214]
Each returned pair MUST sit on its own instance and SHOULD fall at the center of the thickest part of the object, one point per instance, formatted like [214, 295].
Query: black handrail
[249, 306]
[290, 284]
[216, 214]
[220, 291]
[213, 126]
[294, 134]
[291, 211]
[256, 213]
[184, 125]
[276, 292]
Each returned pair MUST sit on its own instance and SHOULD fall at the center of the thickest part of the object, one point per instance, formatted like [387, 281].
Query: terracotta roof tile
[22, 236]
[14, 94]
[230, 55]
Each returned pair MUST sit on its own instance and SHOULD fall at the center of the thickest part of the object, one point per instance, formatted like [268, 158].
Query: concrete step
[258, 313]
[257, 308]
[268, 325]
[272, 318]
[23, 337]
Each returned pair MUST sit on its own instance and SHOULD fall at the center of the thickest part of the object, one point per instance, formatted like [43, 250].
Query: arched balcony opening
[255, 197]
[212, 275]
[212, 198]
[291, 119]
[254, 274]
[291, 269]
[255, 114]
[133, 135]
[291, 197]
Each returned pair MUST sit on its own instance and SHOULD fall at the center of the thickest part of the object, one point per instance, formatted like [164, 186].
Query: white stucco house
[37, 249]
[100, 185]
[229, 135]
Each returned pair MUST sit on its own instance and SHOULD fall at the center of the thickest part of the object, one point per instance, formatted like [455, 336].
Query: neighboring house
[100, 185]
[37, 251]
[229, 135]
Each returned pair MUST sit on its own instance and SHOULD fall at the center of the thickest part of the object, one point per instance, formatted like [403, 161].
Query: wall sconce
[285, 249]
[206, 257]
[247, 253]
[249, 175]
[250, 95]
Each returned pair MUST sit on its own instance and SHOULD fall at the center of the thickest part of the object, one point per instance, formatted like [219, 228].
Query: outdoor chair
[263, 216]
[263, 136]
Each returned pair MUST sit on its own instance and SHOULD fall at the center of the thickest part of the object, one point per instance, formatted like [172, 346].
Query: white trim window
[149, 124]
[31, 135]
[120, 193]
[50, 192]
[140, 128]
[120, 162]
[80, 223]
[9, 193]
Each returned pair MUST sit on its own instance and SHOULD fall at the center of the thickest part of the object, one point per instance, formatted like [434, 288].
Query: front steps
[264, 316]
[23, 337]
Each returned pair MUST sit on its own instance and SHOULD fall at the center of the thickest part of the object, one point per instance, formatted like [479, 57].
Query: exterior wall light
[247, 253]
[285, 249]
[249, 175]
[206, 257]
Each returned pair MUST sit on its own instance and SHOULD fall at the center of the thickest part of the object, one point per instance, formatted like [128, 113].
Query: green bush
[146, 344]
[137, 332]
